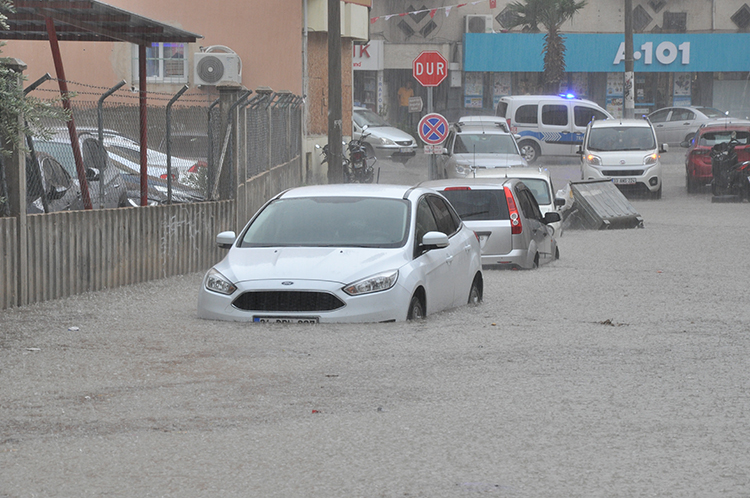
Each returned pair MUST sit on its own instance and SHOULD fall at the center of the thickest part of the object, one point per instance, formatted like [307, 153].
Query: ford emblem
[287, 283]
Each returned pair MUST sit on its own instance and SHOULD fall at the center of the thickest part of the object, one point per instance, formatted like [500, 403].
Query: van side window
[502, 108]
[527, 114]
[583, 115]
[556, 115]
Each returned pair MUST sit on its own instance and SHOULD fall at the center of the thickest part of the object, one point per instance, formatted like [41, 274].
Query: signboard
[415, 104]
[430, 68]
[433, 129]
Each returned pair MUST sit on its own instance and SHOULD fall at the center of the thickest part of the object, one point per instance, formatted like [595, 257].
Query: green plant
[551, 14]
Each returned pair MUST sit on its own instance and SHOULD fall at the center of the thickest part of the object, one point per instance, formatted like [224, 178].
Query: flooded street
[620, 370]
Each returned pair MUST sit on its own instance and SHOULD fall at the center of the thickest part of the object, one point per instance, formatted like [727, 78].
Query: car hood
[490, 160]
[333, 264]
[388, 132]
[623, 158]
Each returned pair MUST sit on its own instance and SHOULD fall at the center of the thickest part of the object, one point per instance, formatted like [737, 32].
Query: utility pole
[629, 83]
[335, 120]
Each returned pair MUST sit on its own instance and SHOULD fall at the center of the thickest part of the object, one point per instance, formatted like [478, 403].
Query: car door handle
[449, 259]
[467, 247]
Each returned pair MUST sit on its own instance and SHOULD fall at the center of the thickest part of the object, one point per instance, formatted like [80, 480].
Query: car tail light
[199, 164]
[164, 177]
[515, 219]
[457, 188]
[508, 120]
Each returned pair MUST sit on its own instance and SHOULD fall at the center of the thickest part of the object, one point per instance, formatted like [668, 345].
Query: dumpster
[599, 205]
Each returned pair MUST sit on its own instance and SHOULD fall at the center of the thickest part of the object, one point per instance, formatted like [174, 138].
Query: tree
[551, 14]
[13, 103]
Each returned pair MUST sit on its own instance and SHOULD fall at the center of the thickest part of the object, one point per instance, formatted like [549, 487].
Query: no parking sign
[432, 129]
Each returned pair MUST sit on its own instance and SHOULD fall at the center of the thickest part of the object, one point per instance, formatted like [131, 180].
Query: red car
[698, 157]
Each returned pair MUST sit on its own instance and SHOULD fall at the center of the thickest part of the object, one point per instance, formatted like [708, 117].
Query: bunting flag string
[432, 12]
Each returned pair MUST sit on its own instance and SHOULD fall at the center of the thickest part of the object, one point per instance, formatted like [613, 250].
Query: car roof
[350, 190]
[535, 98]
[617, 122]
[475, 183]
[725, 125]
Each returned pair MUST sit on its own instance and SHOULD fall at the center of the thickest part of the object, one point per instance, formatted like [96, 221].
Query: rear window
[712, 138]
[502, 108]
[473, 205]
[527, 114]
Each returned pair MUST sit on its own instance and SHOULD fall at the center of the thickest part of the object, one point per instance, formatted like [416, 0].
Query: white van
[548, 125]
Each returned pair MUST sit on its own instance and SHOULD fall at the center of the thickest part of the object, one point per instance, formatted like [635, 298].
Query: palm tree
[551, 14]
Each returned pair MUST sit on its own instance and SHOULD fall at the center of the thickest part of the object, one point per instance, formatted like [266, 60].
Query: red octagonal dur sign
[430, 68]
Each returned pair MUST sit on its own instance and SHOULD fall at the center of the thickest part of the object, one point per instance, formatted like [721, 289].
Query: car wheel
[475, 294]
[416, 308]
[657, 194]
[692, 185]
[530, 151]
[689, 137]
[557, 253]
[535, 264]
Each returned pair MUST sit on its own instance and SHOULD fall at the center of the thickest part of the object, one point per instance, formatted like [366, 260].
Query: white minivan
[548, 125]
[627, 152]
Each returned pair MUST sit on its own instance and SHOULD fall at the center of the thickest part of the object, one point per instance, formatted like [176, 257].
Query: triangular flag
[447, 11]
[432, 13]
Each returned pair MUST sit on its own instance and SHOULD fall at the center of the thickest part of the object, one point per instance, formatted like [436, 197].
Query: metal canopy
[88, 20]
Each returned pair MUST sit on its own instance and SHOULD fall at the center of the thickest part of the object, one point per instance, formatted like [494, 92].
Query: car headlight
[651, 159]
[217, 282]
[376, 283]
[593, 160]
[386, 141]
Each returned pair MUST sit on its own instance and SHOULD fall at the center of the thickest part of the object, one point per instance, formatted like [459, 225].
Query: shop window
[555, 115]
[165, 63]
[527, 114]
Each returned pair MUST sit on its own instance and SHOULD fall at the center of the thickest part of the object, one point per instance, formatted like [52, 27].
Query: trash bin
[599, 205]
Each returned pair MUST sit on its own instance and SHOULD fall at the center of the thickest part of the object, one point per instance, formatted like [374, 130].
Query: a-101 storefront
[708, 69]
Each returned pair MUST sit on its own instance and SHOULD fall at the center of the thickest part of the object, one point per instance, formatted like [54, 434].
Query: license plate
[285, 319]
[405, 150]
[624, 181]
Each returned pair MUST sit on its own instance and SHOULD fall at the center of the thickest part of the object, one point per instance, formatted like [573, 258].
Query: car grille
[287, 301]
[622, 172]
[405, 143]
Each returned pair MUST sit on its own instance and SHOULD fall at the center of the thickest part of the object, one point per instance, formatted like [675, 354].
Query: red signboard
[430, 68]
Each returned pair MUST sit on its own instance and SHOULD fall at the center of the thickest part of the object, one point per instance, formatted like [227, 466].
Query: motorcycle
[731, 179]
[360, 168]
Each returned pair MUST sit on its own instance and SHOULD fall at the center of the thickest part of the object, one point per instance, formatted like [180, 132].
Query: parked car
[382, 139]
[106, 188]
[158, 189]
[538, 180]
[549, 125]
[505, 215]
[49, 187]
[625, 150]
[698, 172]
[476, 146]
[345, 253]
[677, 124]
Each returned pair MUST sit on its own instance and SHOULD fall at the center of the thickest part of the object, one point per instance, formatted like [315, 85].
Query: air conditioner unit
[216, 68]
[479, 24]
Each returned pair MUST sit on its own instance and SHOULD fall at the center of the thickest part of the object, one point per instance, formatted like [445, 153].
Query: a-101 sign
[666, 53]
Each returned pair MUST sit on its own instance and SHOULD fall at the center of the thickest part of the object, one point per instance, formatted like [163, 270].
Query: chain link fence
[111, 156]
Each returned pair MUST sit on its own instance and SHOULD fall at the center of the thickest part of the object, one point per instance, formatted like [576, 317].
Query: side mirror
[225, 239]
[444, 151]
[664, 148]
[517, 136]
[434, 240]
[551, 217]
[92, 174]
[559, 202]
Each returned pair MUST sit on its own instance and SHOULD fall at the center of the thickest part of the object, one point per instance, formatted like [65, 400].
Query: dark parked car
[49, 187]
[698, 157]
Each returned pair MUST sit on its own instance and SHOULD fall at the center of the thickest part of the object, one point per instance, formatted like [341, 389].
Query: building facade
[686, 52]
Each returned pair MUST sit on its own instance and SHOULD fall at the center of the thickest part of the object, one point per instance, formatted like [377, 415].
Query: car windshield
[369, 118]
[712, 112]
[539, 188]
[330, 222]
[484, 143]
[472, 205]
[621, 138]
[712, 138]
